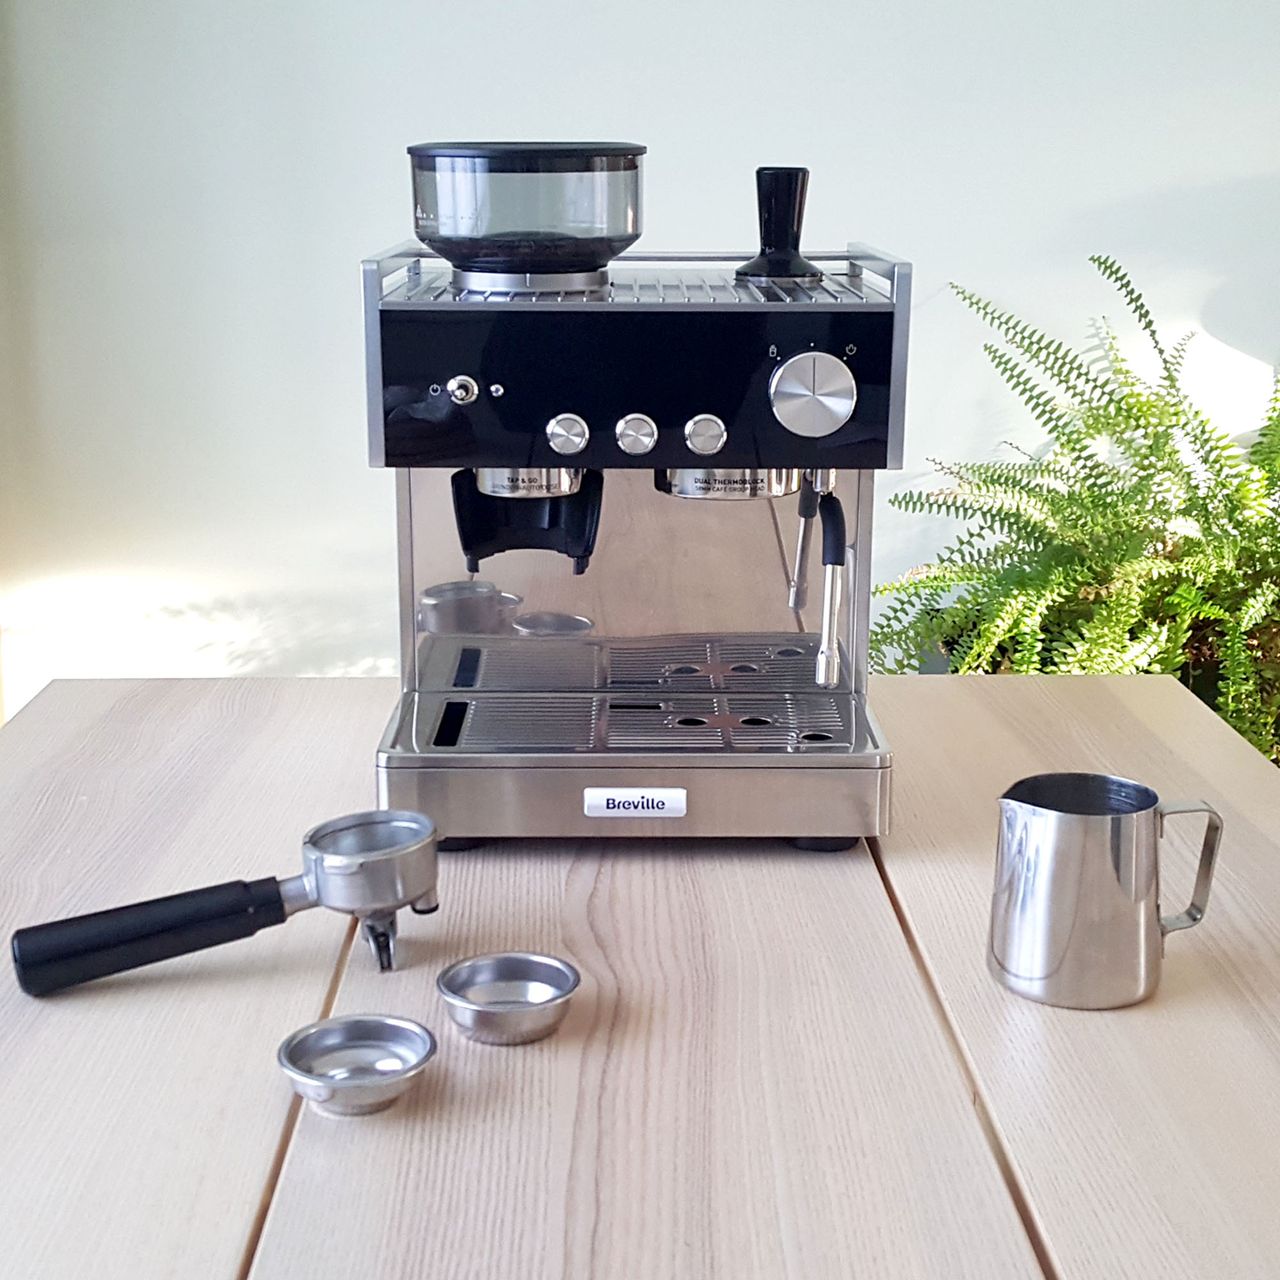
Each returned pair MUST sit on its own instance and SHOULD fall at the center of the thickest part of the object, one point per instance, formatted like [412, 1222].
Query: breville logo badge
[645, 802]
[634, 802]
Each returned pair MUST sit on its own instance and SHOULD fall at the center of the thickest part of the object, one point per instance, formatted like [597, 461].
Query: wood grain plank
[141, 1114]
[1145, 1138]
[752, 1082]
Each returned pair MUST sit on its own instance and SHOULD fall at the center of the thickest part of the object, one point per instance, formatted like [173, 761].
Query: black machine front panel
[604, 362]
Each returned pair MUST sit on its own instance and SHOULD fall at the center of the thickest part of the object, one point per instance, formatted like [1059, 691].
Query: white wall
[188, 186]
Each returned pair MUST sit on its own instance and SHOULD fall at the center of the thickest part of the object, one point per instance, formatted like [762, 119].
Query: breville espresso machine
[634, 498]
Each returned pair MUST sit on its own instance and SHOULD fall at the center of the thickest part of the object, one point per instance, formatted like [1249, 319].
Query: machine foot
[825, 844]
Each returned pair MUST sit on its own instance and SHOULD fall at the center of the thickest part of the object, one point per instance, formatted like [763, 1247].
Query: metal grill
[501, 723]
[678, 664]
[779, 723]
[547, 723]
[538, 664]
[772, 661]
[677, 287]
[787, 664]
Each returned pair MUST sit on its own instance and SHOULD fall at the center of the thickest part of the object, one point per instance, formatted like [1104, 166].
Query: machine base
[700, 734]
[833, 807]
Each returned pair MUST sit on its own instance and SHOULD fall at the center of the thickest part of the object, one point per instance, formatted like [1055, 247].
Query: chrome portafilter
[369, 865]
[366, 864]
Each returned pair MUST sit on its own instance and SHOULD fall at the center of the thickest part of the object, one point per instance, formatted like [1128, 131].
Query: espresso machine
[634, 501]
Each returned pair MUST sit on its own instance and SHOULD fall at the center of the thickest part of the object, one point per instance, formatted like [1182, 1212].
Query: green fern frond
[1054, 358]
[1049, 410]
[975, 650]
[1140, 538]
[1178, 354]
[1257, 607]
[1240, 696]
[1265, 450]
[1111, 357]
[1116, 275]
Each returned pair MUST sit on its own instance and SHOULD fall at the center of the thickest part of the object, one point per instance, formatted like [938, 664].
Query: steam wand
[831, 517]
[798, 590]
[812, 483]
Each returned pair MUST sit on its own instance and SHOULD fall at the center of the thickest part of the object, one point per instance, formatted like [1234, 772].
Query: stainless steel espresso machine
[634, 499]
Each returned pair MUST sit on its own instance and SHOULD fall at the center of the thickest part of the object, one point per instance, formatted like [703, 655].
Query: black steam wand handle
[831, 517]
[780, 195]
[64, 953]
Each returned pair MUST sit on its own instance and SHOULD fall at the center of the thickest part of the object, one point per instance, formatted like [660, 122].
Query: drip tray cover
[600, 700]
[584, 730]
[514, 724]
[781, 662]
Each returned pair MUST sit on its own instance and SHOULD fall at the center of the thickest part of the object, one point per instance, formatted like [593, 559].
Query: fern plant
[1139, 539]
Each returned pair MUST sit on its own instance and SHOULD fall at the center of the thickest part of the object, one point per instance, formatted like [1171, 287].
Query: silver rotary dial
[637, 433]
[705, 434]
[567, 433]
[813, 394]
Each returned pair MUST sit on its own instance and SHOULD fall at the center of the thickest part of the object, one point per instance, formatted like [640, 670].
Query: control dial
[813, 394]
[462, 389]
[567, 433]
[705, 434]
[637, 433]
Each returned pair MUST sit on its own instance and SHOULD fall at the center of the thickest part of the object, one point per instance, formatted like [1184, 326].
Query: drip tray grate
[534, 665]
[780, 723]
[511, 724]
[742, 663]
[529, 723]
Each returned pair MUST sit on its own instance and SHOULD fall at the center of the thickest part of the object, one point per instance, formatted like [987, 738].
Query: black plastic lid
[534, 157]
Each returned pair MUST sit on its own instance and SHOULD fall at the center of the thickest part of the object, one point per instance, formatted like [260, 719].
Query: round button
[705, 434]
[813, 394]
[461, 389]
[637, 433]
[567, 433]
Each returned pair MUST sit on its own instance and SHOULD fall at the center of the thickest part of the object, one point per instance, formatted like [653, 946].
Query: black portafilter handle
[65, 953]
[780, 196]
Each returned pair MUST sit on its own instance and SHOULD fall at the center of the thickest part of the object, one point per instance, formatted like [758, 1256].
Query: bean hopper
[638, 451]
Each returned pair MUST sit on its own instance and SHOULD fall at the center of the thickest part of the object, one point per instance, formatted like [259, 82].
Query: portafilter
[367, 864]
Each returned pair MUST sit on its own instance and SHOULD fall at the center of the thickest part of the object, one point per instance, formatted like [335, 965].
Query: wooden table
[779, 1064]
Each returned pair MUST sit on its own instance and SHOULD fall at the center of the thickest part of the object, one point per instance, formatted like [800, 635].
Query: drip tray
[609, 701]
[613, 725]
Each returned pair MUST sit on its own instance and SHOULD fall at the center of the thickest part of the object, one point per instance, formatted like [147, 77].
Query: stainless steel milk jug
[1075, 915]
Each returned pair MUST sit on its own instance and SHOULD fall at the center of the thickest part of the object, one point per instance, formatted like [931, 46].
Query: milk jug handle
[1204, 873]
